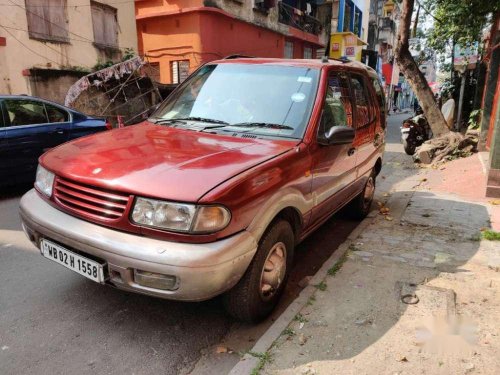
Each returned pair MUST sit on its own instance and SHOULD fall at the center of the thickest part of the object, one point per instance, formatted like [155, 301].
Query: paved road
[53, 321]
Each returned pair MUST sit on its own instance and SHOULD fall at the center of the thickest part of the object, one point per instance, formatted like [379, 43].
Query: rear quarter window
[380, 94]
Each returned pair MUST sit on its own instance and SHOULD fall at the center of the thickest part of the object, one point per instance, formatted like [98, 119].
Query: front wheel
[408, 147]
[260, 288]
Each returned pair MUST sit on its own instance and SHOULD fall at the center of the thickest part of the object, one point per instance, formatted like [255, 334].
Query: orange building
[180, 35]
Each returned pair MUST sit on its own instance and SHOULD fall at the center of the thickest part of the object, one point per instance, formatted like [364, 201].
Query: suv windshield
[271, 100]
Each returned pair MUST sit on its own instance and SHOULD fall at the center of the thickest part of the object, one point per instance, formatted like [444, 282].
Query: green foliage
[491, 235]
[474, 119]
[263, 359]
[300, 318]
[321, 286]
[128, 53]
[338, 265]
[447, 88]
[461, 21]
[288, 332]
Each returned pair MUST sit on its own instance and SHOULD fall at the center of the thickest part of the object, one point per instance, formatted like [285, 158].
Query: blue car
[29, 126]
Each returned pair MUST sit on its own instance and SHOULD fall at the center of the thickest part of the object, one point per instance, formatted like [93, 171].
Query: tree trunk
[414, 76]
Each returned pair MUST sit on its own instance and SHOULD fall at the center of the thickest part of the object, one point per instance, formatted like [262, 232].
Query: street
[53, 321]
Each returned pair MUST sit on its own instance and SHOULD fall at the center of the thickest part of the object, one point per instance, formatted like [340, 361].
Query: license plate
[75, 262]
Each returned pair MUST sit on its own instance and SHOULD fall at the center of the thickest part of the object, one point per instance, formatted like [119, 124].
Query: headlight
[179, 217]
[44, 180]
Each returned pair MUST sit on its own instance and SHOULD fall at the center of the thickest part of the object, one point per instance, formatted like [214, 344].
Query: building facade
[46, 45]
[349, 28]
[177, 36]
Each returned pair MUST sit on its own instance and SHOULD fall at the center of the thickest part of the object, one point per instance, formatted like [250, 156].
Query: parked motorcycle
[414, 132]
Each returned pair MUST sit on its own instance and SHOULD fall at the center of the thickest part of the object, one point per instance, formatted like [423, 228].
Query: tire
[409, 149]
[360, 206]
[252, 300]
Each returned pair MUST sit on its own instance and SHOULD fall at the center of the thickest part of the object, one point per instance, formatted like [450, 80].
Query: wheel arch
[378, 166]
[294, 218]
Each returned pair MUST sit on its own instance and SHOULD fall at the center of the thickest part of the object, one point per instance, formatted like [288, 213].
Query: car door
[29, 133]
[59, 125]
[334, 166]
[365, 117]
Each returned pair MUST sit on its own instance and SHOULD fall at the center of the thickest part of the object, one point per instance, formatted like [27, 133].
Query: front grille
[90, 201]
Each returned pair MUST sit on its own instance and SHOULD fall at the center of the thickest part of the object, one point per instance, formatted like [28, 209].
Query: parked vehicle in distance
[29, 126]
[414, 132]
[239, 164]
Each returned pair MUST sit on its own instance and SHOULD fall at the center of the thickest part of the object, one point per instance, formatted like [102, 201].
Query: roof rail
[343, 59]
[237, 56]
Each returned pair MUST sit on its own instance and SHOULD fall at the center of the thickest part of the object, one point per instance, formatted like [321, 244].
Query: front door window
[25, 112]
[337, 110]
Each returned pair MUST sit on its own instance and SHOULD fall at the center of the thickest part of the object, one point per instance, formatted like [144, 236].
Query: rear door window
[56, 114]
[25, 112]
[364, 116]
[380, 98]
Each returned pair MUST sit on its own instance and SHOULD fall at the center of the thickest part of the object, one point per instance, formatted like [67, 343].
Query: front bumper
[202, 270]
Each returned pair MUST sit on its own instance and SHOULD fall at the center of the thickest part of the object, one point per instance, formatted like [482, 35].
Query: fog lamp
[155, 280]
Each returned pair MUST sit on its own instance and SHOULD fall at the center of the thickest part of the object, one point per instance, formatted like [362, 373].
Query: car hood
[159, 161]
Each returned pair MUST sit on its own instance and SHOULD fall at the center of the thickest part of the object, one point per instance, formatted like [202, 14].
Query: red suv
[243, 161]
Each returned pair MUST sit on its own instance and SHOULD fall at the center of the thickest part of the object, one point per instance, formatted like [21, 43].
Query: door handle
[57, 131]
[351, 151]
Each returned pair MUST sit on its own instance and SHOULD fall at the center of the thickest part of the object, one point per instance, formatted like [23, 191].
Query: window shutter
[105, 24]
[47, 20]
[57, 18]
[37, 19]
[98, 24]
[111, 27]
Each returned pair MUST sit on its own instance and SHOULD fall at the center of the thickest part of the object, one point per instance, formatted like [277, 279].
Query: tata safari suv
[212, 194]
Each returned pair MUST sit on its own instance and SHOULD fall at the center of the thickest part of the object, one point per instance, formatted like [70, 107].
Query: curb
[249, 362]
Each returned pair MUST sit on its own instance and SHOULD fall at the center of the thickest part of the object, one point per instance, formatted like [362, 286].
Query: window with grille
[363, 115]
[308, 53]
[180, 71]
[47, 20]
[105, 24]
[288, 50]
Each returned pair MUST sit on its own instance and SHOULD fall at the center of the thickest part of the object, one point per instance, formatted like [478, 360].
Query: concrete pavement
[416, 293]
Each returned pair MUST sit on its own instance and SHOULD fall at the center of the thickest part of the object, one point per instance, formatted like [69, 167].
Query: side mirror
[337, 135]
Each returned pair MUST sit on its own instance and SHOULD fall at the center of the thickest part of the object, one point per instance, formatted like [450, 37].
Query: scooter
[414, 132]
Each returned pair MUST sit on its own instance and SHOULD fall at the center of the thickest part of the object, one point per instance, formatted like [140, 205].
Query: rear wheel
[360, 206]
[260, 288]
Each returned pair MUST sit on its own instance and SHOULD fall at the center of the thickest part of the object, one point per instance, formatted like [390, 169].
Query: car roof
[307, 63]
[40, 99]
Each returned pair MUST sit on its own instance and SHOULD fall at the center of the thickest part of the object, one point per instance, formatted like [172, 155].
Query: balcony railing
[300, 20]
[387, 23]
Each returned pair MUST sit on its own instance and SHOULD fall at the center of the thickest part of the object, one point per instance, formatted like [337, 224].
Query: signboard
[465, 56]
[350, 51]
[350, 40]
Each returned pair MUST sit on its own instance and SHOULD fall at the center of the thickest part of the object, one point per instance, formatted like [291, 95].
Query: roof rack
[236, 56]
[343, 59]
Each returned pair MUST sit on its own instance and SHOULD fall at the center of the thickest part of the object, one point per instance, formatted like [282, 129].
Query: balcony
[387, 23]
[298, 19]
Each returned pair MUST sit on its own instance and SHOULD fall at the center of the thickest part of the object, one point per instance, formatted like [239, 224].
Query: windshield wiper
[192, 118]
[202, 119]
[159, 120]
[262, 125]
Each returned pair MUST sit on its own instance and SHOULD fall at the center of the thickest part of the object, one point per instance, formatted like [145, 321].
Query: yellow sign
[346, 44]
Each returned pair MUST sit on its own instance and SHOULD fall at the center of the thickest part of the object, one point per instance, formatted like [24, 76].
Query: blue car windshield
[272, 100]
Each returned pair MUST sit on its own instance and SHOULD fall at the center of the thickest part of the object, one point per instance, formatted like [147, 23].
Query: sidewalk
[417, 291]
